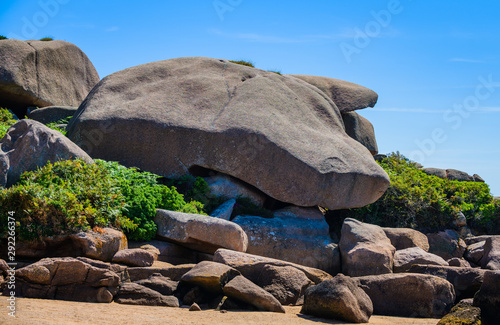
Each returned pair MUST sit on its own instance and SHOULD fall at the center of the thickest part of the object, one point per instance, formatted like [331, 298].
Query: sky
[434, 64]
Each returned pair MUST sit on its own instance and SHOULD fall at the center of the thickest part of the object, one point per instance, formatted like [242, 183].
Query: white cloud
[112, 29]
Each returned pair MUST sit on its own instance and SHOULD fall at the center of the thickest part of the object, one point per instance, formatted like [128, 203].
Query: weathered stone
[446, 244]
[225, 210]
[441, 173]
[36, 73]
[285, 283]
[477, 178]
[251, 266]
[152, 249]
[462, 313]
[491, 258]
[338, 298]
[466, 281]
[475, 252]
[488, 298]
[458, 262]
[408, 295]
[313, 213]
[66, 279]
[136, 294]
[277, 133]
[134, 257]
[170, 252]
[29, 145]
[404, 259]
[203, 233]
[476, 239]
[297, 240]
[211, 276]
[361, 130]
[174, 273]
[226, 186]
[402, 238]
[457, 175]
[365, 249]
[194, 307]
[52, 114]
[160, 283]
[245, 290]
[346, 95]
[100, 245]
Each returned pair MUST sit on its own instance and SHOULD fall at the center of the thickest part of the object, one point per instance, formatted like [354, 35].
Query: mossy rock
[462, 314]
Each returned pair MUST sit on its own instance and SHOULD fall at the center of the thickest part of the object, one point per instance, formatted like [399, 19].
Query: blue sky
[434, 64]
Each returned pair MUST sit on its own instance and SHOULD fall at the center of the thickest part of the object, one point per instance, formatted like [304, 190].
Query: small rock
[475, 252]
[285, 283]
[136, 294]
[491, 258]
[446, 244]
[402, 238]
[194, 307]
[245, 290]
[134, 257]
[229, 187]
[462, 313]
[458, 262]
[404, 259]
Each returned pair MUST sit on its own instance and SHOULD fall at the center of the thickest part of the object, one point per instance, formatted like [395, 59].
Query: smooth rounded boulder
[277, 133]
[29, 145]
[37, 73]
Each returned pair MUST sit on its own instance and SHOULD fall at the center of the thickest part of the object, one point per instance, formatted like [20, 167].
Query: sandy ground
[37, 311]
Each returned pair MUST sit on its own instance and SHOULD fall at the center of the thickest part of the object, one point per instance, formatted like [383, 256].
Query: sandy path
[37, 311]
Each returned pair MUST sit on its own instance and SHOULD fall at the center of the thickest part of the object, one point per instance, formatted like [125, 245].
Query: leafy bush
[46, 39]
[6, 121]
[417, 200]
[144, 195]
[2, 37]
[63, 198]
[72, 196]
[243, 62]
[275, 71]
[54, 125]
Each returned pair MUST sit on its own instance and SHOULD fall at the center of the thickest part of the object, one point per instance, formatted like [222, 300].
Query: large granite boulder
[402, 238]
[465, 280]
[361, 130]
[488, 298]
[491, 258]
[66, 279]
[36, 73]
[294, 239]
[338, 298]
[52, 114]
[203, 233]
[285, 283]
[211, 276]
[242, 289]
[251, 266]
[346, 95]
[29, 145]
[408, 295]
[365, 249]
[277, 133]
[405, 258]
[446, 244]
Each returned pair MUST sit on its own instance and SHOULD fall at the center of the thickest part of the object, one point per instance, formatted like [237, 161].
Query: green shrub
[46, 39]
[2, 37]
[54, 125]
[243, 62]
[143, 195]
[275, 71]
[6, 121]
[72, 196]
[63, 198]
[417, 200]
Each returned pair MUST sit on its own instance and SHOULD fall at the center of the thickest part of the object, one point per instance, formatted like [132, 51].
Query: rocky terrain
[291, 144]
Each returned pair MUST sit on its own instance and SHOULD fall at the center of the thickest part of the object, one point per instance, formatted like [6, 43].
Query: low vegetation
[417, 200]
[243, 62]
[46, 39]
[2, 37]
[6, 121]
